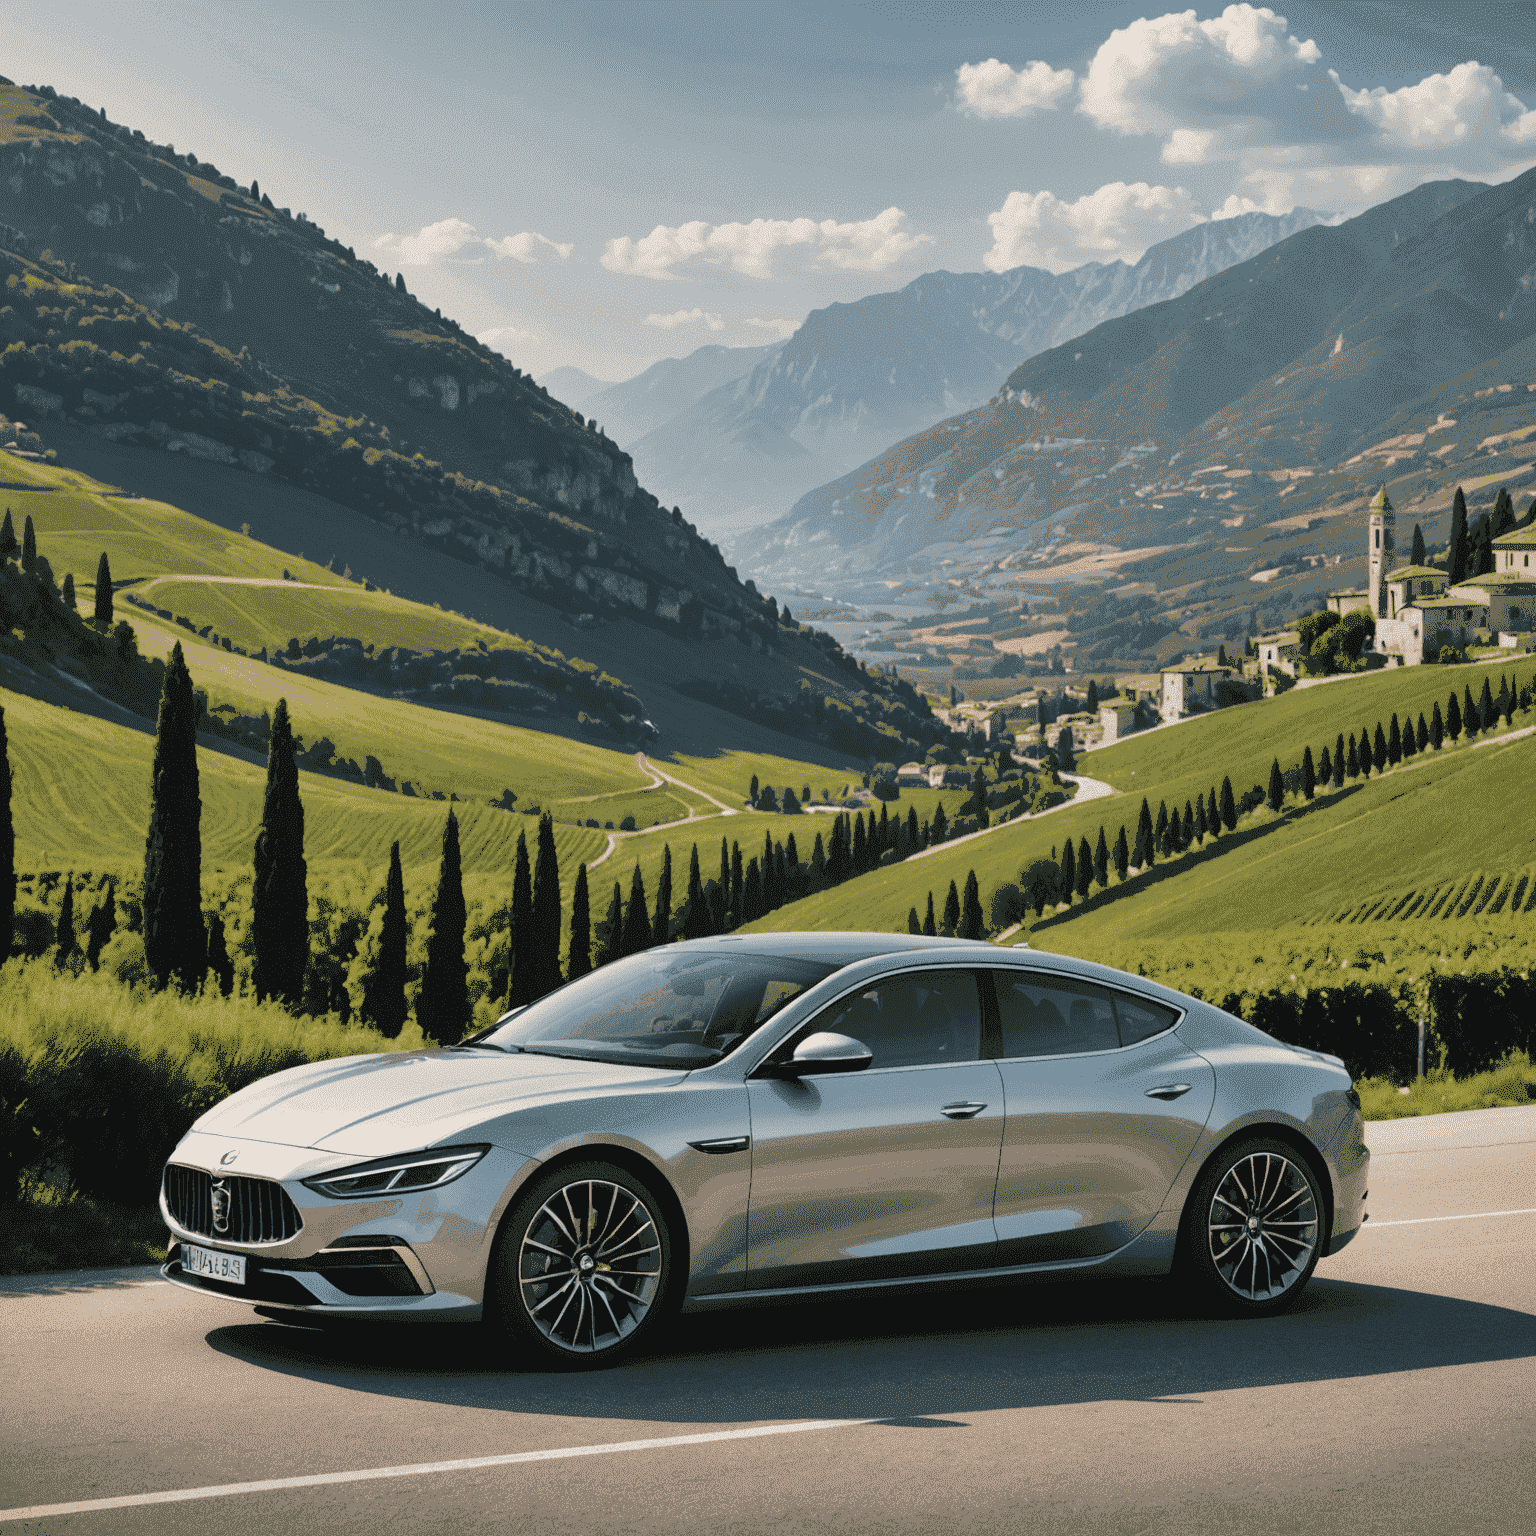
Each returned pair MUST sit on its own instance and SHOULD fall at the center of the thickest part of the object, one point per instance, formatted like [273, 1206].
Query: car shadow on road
[915, 1360]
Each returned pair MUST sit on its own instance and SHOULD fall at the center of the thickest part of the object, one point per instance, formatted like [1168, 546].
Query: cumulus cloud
[994, 89]
[1465, 115]
[694, 316]
[529, 248]
[1115, 223]
[435, 242]
[764, 247]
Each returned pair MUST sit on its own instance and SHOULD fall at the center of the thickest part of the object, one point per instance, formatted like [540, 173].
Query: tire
[582, 1271]
[1254, 1228]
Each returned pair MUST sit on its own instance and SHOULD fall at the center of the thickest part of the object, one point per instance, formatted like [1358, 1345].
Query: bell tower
[1381, 551]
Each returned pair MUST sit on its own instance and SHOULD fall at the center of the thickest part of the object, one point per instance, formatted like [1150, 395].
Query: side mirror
[826, 1052]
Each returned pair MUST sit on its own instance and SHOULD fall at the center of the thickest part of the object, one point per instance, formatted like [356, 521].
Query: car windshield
[664, 1008]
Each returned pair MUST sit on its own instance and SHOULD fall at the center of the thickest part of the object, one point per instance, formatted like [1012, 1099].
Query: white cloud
[780, 327]
[1115, 223]
[433, 243]
[993, 89]
[529, 248]
[1465, 115]
[760, 248]
[694, 316]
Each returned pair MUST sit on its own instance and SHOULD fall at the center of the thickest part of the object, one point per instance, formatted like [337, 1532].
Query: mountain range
[735, 435]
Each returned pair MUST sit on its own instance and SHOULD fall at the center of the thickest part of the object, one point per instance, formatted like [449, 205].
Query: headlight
[398, 1175]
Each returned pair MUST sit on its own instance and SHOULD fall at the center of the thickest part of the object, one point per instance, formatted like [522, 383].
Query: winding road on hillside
[1396, 1397]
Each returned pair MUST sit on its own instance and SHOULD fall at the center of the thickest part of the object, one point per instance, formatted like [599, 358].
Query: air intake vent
[258, 1211]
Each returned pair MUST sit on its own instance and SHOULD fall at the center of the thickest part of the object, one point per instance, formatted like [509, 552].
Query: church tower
[1381, 551]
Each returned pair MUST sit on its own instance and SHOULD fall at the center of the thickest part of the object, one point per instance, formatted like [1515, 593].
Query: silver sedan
[740, 1121]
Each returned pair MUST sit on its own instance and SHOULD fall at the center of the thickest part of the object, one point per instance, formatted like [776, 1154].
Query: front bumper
[413, 1256]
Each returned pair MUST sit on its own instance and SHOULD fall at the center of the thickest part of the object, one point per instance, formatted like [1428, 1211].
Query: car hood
[398, 1101]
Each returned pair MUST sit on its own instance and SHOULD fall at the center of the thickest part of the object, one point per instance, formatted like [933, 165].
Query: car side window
[1046, 1015]
[924, 1018]
[1140, 1019]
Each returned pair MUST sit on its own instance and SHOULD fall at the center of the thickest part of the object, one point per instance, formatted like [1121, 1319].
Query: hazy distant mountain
[1262, 393]
[856, 378]
[627, 411]
[572, 386]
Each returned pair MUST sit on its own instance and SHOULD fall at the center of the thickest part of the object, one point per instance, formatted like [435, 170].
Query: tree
[1161, 840]
[791, 802]
[578, 960]
[1338, 762]
[1201, 825]
[1084, 867]
[1354, 760]
[384, 1004]
[102, 615]
[99, 927]
[522, 980]
[1276, 796]
[1101, 861]
[7, 537]
[1422, 733]
[1143, 854]
[1459, 550]
[1487, 715]
[753, 902]
[1041, 883]
[1066, 757]
[752, 792]
[1093, 697]
[28, 547]
[611, 945]
[1068, 871]
[64, 934]
[1471, 715]
[7, 849]
[1453, 717]
[219, 962]
[930, 928]
[768, 799]
[279, 892]
[442, 1004]
[545, 911]
[1502, 518]
[1365, 753]
[696, 923]
[1228, 806]
[69, 592]
[1309, 774]
[1394, 742]
[940, 825]
[1437, 725]
[174, 940]
[1418, 557]
[1379, 752]
[1122, 855]
[972, 924]
[637, 920]
[951, 910]
[661, 925]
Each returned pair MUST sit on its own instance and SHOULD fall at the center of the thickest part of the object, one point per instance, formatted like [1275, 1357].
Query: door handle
[1168, 1091]
[962, 1111]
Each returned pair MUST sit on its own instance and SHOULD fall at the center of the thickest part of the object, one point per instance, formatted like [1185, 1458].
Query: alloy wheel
[1262, 1228]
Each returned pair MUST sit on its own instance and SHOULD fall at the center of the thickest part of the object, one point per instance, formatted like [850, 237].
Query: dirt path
[1087, 789]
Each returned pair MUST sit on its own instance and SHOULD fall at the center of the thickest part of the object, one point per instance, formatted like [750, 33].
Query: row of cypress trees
[27, 549]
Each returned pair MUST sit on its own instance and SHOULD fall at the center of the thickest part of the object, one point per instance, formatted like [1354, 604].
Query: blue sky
[605, 184]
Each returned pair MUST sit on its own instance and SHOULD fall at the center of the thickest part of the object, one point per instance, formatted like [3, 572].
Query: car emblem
[220, 1193]
[229, 1157]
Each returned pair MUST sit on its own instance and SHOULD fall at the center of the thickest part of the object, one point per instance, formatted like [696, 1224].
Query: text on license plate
[229, 1267]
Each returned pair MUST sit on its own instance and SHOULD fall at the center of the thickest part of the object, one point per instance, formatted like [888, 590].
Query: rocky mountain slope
[1270, 393]
[856, 378]
[639, 405]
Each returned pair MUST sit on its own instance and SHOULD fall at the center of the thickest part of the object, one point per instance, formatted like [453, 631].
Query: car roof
[834, 948]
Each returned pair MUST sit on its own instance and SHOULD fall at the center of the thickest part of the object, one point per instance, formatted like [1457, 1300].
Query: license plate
[204, 1262]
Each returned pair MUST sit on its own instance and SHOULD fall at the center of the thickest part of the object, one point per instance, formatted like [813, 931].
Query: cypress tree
[972, 924]
[940, 825]
[69, 592]
[1325, 769]
[578, 961]
[1437, 726]
[913, 925]
[1471, 716]
[912, 828]
[737, 883]
[7, 537]
[99, 927]
[1423, 732]
[612, 947]
[1460, 549]
[661, 926]
[1410, 746]
[1187, 831]
[7, 849]
[951, 911]
[1380, 749]
[219, 963]
[1276, 796]
[696, 923]
[522, 977]
[637, 920]
[1143, 854]
[1122, 855]
[1068, 872]
[752, 906]
[174, 941]
[1093, 697]
[1502, 518]
[884, 839]
[1453, 717]
[1101, 861]
[102, 616]
[545, 911]
[279, 892]
[1487, 715]
[1309, 774]
[818, 862]
[384, 1004]
[1084, 867]
[1418, 557]
[725, 872]
[930, 928]
[1394, 742]
[1338, 762]
[64, 934]
[1354, 760]
[1201, 828]
[28, 547]
[859, 851]
[753, 791]
[442, 1004]
[1228, 806]
[770, 872]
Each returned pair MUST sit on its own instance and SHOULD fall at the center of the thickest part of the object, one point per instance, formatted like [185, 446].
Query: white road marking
[1418, 1221]
[419, 1469]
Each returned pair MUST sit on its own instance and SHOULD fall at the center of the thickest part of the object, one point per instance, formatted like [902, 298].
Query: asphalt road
[1400, 1396]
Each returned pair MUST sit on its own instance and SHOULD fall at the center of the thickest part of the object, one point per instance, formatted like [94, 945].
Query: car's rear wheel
[1255, 1228]
[582, 1271]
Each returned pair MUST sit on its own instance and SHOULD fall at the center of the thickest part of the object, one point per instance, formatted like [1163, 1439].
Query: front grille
[259, 1209]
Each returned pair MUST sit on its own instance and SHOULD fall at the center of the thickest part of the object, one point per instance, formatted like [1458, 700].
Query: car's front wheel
[1255, 1225]
[582, 1270]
